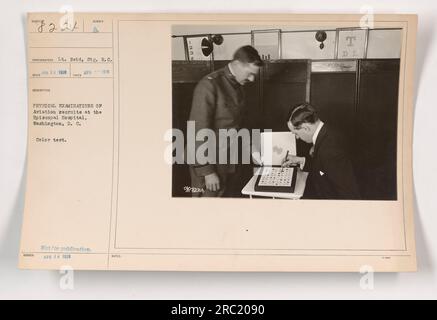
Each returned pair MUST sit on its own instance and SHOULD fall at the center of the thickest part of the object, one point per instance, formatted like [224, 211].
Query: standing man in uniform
[218, 103]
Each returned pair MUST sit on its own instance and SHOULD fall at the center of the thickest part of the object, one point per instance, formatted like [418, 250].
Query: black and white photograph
[119, 119]
[285, 113]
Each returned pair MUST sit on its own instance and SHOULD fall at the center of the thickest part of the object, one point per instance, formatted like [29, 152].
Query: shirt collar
[230, 69]
[316, 133]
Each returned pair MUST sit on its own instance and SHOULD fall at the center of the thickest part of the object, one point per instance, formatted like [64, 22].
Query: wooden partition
[377, 115]
[185, 76]
[360, 99]
[284, 84]
[334, 94]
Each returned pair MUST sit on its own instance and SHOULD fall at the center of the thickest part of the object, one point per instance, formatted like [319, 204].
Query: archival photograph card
[220, 142]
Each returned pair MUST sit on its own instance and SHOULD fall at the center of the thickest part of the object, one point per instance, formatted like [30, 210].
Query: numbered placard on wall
[195, 49]
[351, 43]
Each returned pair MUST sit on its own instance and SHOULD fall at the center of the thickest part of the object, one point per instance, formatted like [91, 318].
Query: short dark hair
[248, 54]
[302, 113]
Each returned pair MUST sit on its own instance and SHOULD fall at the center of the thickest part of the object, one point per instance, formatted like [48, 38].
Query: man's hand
[256, 157]
[291, 160]
[212, 182]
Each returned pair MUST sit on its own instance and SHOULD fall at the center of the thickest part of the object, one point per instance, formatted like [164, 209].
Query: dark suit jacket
[331, 174]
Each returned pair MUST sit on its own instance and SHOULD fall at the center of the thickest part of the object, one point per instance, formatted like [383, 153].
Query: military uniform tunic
[218, 103]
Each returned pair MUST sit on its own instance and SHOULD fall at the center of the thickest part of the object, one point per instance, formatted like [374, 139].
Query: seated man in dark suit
[331, 174]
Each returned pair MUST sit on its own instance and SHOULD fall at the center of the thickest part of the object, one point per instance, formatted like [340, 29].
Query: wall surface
[16, 283]
[295, 45]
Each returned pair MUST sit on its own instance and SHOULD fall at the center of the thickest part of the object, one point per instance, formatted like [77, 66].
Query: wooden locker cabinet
[185, 75]
[284, 84]
[333, 93]
[360, 99]
[377, 119]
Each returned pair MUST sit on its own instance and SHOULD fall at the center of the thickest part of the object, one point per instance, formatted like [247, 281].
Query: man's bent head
[303, 122]
[246, 64]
